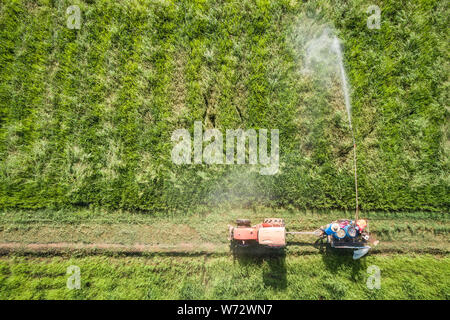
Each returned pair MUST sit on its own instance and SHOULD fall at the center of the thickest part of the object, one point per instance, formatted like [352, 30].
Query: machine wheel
[243, 222]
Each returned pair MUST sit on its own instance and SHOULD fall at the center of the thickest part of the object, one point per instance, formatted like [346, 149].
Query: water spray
[341, 234]
[337, 49]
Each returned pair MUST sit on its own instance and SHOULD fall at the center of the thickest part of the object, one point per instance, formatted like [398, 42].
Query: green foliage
[86, 115]
[301, 277]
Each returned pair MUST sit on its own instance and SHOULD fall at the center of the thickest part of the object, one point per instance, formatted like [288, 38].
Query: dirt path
[186, 248]
[205, 248]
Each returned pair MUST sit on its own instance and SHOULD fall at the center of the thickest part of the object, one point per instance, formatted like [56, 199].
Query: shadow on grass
[272, 260]
[338, 259]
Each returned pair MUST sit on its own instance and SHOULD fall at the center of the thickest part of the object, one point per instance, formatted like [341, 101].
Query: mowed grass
[402, 231]
[199, 277]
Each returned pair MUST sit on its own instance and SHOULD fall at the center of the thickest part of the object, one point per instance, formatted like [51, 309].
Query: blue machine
[340, 234]
[328, 230]
[332, 228]
[350, 231]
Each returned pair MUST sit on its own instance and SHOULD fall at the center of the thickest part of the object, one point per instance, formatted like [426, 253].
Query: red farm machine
[271, 233]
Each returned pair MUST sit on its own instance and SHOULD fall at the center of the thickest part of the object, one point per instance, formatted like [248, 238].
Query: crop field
[94, 92]
[87, 114]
